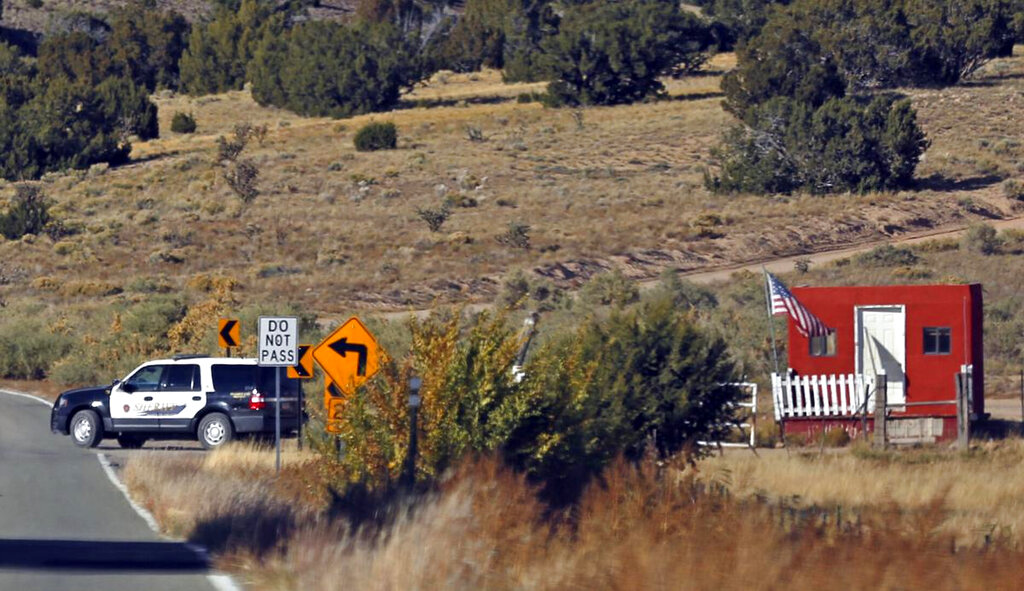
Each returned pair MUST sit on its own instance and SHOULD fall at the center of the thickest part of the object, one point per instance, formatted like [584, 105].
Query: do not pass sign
[279, 337]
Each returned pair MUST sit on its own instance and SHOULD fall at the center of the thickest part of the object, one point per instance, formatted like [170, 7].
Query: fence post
[861, 387]
[881, 398]
[962, 418]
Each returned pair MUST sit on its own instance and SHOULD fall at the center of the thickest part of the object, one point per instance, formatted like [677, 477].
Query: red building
[919, 336]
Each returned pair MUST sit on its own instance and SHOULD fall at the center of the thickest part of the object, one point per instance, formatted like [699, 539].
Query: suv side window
[147, 379]
[180, 378]
[234, 378]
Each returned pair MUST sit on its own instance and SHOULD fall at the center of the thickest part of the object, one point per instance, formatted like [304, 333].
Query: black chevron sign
[303, 370]
[228, 332]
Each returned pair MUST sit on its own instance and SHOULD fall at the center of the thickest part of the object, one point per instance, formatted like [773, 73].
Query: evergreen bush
[376, 136]
[328, 69]
[608, 53]
[29, 213]
[644, 380]
[183, 123]
[219, 52]
[845, 145]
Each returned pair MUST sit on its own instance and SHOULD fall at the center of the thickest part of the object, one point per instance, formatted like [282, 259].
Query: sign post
[278, 347]
[303, 370]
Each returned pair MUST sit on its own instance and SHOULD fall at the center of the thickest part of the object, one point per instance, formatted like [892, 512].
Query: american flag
[783, 302]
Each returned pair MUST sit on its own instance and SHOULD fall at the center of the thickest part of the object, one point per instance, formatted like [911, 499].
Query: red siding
[929, 377]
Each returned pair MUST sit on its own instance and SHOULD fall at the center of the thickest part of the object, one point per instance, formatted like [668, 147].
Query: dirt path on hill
[785, 264]
[774, 265]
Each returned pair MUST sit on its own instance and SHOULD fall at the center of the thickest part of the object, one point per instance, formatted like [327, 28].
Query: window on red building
[824, 346]
[937, 340]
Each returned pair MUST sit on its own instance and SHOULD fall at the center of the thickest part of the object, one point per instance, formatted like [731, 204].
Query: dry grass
[646, 529]
[982, 492]
[334, 229]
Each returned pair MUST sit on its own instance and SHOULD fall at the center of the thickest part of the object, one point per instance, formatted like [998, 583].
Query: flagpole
[775, 353]
[771, 321]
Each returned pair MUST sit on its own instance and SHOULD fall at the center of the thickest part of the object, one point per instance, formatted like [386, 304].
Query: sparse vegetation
[434, 218]
[516, 236]
[243, 178]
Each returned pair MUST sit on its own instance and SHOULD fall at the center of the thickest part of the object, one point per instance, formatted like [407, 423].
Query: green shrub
[183, 123]
[469, 401]
[28, 349]
[608, 53]
[783, 61]
[981, 239]
[517, 235]
[434, 218]
[376, 136]
[29, 213]
[328, 69]
[734, 21]
[686, 294]
[1013, 189]
[611, 288]
[642, 380]
[60, 124]
[888, 256]
[219, 51]
[877, 43]
[844, 145]
[521, 290]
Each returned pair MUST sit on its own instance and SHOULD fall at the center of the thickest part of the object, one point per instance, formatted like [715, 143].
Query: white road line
[48, 403]
[220, 581]
[143, 513]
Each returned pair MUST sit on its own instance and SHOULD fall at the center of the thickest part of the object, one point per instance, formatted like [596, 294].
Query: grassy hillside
[334, 231]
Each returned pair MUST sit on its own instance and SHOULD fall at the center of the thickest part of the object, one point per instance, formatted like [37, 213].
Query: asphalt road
[63, 524]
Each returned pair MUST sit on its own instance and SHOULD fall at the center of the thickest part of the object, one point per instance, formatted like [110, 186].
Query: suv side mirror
[128, 387]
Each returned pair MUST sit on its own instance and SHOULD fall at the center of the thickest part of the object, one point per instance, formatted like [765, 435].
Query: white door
[130, 399]
[158, 396]
[882, 347]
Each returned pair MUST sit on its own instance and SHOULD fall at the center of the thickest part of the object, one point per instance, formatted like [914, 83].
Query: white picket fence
[746, 419]
[822, 395]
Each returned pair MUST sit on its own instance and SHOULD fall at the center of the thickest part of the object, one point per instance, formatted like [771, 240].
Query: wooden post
[881, 397]
[968, 402]
[859, 387]
[962, 418]
[1022, 400]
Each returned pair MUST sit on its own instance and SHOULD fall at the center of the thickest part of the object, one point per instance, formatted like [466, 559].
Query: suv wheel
[86, 429]
[131, 441]
[214, 430]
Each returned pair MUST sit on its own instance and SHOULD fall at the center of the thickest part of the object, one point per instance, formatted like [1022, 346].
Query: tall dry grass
[982, 492]
[640, 528]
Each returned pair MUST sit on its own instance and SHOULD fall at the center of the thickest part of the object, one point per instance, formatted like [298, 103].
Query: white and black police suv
[189, 396]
